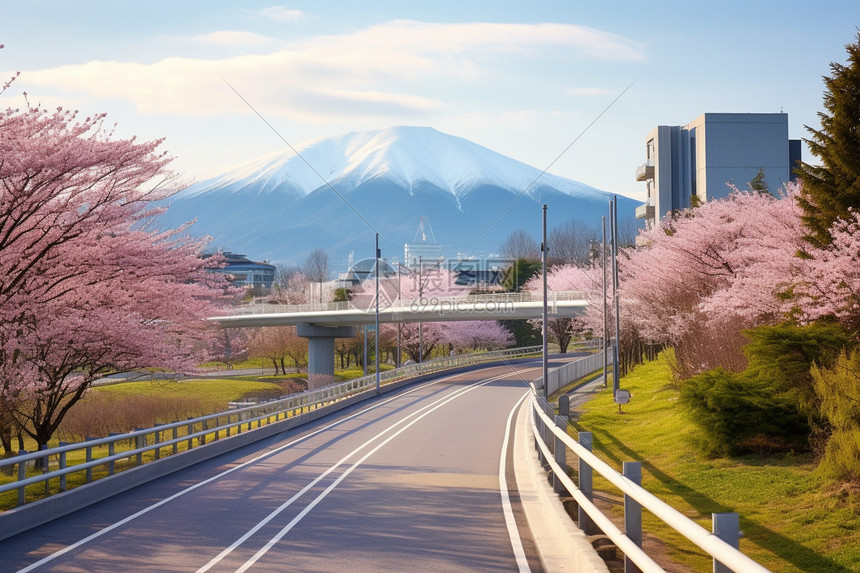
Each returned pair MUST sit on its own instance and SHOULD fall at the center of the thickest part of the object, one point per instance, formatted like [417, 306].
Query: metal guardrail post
[157, 441]
[188, 432]
[175, 438]
[726, 526]
[585, 485]
[111, 452]
[139, 442]
[45, 463]
[89, 459]
[63, 466]
[22, 475]
[560, 453]
[632, 513]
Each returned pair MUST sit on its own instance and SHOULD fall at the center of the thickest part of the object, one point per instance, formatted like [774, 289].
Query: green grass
[212, 395]
[218, 391]
[791, 519]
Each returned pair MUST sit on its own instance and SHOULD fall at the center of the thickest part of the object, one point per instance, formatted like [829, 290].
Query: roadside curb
[562, 546]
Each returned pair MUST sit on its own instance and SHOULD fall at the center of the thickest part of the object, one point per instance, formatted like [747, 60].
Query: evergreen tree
[832, 188]
[519, 273]
[758, 182]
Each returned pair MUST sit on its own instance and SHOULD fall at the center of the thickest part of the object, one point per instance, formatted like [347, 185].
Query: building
[478, 272]
[423, 250]
[701, 158]
[363, 270]
[244, 272]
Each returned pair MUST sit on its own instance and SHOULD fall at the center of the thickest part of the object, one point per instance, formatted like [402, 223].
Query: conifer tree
[833, 187]
[758, 183]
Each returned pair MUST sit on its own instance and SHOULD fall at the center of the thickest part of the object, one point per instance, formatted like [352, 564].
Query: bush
[838, 391]
[785, 354]
[740, 413]
[772, 405]
[100, 414]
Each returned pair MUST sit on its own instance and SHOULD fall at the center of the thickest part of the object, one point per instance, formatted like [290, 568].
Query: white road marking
[207, 481]
[432, 407]
[510, 522]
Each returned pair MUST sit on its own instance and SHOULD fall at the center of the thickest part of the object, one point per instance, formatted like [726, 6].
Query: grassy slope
[218, 391]
[790, 519]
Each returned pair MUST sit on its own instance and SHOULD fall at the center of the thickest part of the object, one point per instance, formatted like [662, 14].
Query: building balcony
[644, 172]
[645, 211]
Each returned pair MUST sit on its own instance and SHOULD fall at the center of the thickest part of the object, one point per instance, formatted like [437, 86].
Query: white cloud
[393, 70]
[281, 14]
[230, 37]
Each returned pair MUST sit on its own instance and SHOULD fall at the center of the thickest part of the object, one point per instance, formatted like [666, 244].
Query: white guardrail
[552, 441]
[132, 449]
[404, 303]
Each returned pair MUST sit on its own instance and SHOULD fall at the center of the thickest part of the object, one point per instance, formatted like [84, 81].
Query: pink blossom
[87, 283]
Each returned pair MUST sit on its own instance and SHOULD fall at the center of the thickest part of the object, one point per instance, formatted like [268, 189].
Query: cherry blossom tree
[707, 273]
[569, 277]
[424, 289]
[831, 281]
[279, 344]
[87, 284]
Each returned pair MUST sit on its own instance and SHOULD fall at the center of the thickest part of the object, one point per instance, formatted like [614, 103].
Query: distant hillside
[278, 208]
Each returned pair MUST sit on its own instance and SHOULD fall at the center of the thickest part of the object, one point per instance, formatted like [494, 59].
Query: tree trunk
[6, 434]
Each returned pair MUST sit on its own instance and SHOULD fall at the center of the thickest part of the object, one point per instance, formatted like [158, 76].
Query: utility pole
[397, 359]
[376, 337]
[544, 249]
[420, 324]
[616, 373]
[603, 300]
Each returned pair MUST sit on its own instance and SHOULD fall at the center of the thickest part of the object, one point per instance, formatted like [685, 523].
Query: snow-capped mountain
[282, 206]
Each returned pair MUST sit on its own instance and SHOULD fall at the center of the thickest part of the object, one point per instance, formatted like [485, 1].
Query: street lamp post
[376, 337]
[421, 279]
[605, 318]
[397, 359]
[544, 249]
[420, 324]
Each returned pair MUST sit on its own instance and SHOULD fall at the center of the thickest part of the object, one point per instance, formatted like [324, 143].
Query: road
[421, 479]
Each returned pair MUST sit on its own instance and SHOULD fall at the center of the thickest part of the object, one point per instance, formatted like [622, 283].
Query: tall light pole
[376, 337]
[544, 249]
[613, 217]
[420, 324]
[605, 316]
[397, 359]
[420, 296]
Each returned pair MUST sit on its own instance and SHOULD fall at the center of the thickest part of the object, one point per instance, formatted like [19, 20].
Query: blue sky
[524, 79]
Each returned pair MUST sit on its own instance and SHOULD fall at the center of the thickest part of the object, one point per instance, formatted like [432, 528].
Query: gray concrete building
[714, 150]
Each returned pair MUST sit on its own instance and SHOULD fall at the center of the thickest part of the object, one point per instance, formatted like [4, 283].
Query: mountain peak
[406, 155]
[280, 208]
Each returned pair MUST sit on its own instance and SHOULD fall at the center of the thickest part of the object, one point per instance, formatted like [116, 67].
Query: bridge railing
[553, 442]
[106, 456]
[368, 304]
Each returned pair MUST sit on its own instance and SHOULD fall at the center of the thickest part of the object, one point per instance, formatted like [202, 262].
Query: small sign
[622, 396]
[564, 405]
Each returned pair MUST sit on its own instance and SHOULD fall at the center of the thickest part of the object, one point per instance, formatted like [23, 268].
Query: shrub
[785, 353]
[838, 391]
[740, 413]
[772, 405]
[99, 414]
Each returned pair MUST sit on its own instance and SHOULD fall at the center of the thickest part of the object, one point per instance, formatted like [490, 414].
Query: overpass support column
[321, 351]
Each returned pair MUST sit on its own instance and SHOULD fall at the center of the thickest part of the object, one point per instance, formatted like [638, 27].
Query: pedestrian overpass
[322, 323]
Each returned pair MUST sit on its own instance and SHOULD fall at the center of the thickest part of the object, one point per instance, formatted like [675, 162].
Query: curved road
[420, 479]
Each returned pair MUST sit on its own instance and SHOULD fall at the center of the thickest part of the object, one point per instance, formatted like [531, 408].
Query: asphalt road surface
[417, 480]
